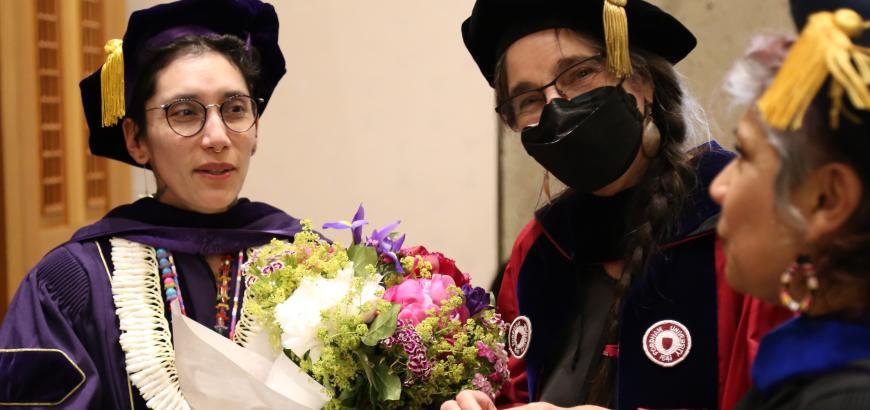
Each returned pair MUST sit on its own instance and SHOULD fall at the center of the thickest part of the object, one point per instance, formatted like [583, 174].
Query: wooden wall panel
[52, 175]
[4, 299]
[92, 23]
[52, 185]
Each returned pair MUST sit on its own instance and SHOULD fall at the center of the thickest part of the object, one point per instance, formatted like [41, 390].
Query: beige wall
[723, 29]
[381, 105]
[382, 101]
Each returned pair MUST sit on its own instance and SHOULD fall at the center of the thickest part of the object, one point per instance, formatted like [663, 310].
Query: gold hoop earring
[811, 283]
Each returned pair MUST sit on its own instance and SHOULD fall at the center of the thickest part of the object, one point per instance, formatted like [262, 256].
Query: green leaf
[366, 365]
[362, 256]
[491, 299]
[384, 325]
[350, 398]
[388, 384]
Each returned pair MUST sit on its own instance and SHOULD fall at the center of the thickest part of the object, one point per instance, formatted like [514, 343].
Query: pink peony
[440, 264]
[417, 296]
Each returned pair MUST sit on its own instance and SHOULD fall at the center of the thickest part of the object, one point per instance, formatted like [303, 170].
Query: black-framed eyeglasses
[525, 108]
[187, 116]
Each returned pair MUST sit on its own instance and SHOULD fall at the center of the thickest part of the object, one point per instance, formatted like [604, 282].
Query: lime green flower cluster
[366, 351]
[341, 335]
[273, 272]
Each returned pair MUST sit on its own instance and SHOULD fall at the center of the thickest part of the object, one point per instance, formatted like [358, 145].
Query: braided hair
[665, 184]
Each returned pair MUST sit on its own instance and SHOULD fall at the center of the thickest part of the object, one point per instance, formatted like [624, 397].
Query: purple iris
[386, 246]
[354, 225]
[476, 299]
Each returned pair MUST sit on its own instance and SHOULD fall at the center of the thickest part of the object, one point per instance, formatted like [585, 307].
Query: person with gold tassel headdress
[181, 95]
[614, 290]
[796, 206]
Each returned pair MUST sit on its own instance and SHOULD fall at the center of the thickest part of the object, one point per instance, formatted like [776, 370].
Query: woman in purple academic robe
[182, 95]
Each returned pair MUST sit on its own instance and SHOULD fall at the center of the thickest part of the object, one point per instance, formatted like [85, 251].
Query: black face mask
[589, 141]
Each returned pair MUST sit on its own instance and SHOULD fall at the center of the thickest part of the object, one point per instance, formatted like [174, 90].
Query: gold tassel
[616, 37]
[823, 49]
[112, 83]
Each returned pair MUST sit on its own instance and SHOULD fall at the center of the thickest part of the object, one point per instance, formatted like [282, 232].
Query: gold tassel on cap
[824, 48]
[112, 83]
[616, 37]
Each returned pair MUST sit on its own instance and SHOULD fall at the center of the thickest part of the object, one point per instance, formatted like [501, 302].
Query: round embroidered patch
[519, 336]
[667, 343]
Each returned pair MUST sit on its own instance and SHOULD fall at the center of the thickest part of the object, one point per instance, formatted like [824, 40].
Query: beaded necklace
[172, 286]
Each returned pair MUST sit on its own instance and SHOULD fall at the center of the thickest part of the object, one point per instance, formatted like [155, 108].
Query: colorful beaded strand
[223, 297]
[172, 291]
[236, 295]
[171, 283]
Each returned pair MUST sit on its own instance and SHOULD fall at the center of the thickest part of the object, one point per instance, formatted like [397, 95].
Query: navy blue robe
[59, 340]
[555, 279]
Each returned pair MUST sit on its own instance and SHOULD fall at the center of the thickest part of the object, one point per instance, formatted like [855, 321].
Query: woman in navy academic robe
[615, 288]
[795, 207]
[88, 327]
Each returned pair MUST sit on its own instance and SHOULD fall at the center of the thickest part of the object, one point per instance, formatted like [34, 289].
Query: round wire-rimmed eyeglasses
[186, 116]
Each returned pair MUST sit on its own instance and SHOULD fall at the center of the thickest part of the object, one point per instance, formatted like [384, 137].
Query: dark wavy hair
[663, 188]
[246, 59]
[842, 257]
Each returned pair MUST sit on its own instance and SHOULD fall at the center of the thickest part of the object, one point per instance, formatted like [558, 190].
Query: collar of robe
[591, 229]
[805, 346]
[246, 224]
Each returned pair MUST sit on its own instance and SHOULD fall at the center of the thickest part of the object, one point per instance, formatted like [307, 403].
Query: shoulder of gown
[46, 357]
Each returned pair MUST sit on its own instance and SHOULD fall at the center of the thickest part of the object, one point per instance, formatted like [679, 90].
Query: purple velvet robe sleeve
[54, 346]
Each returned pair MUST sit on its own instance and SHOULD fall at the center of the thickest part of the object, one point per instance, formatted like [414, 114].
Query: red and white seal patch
[667, 343]
[519, 336]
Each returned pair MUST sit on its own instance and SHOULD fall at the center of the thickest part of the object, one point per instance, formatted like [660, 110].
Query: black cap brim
[495, 24]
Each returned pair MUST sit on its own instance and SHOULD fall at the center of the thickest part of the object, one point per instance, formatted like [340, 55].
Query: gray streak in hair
[744, 84]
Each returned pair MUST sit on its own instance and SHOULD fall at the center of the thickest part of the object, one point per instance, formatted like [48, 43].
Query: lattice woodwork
[50, 109]
[96, 168]
[4, 262]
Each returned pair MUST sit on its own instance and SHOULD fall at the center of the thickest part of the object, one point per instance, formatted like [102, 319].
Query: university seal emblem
[519, 336]
[667, 343]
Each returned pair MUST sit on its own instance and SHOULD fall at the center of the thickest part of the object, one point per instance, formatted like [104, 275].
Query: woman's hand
[539, 405]
[469, 400]
[475, 400]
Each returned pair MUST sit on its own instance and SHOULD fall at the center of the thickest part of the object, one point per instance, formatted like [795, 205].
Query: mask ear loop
[546, 187]
[544, 193]
[147, 192]
[652, 136]
[620, 84]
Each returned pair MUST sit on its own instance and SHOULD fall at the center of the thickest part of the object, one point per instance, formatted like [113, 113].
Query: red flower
[440, 264]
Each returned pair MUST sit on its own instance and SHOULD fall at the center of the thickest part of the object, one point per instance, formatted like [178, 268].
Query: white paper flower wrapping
[301, 314]
[216, 374]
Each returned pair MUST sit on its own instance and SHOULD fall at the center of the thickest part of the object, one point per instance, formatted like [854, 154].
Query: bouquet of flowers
[378, 325]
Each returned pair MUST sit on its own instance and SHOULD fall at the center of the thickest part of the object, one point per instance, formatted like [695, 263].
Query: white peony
[300, 315]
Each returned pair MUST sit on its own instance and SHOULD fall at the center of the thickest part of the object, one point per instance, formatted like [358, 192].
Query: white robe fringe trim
[145, 335]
